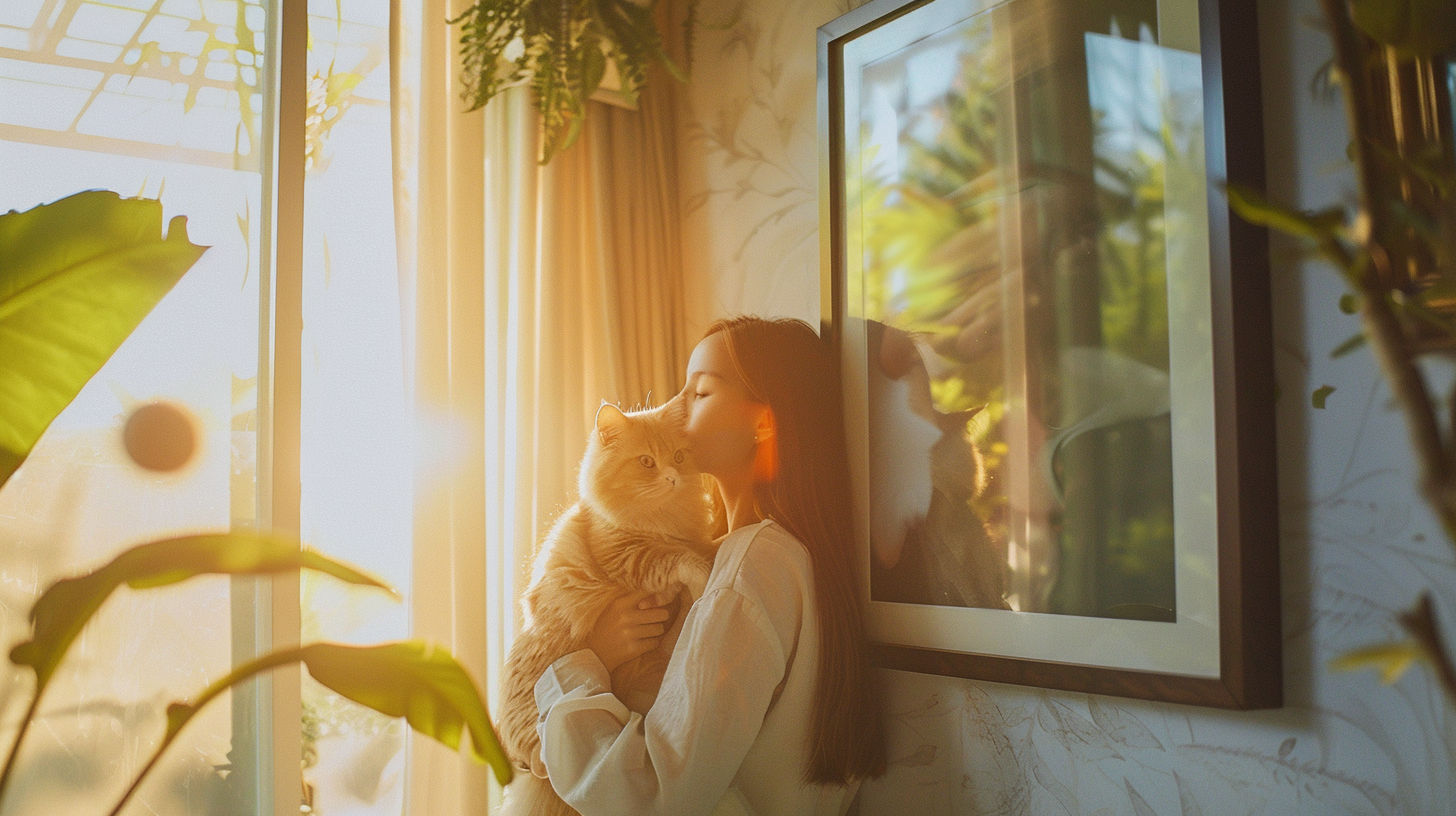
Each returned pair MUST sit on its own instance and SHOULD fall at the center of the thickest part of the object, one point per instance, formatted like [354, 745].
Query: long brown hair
[787, 367]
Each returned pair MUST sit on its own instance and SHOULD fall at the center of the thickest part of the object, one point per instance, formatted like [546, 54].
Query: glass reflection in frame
[1024, 187]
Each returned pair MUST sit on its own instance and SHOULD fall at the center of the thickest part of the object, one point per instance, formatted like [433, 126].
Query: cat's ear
[611, 422]
[955, 421]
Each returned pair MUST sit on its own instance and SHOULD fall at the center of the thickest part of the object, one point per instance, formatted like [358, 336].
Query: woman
[768, 703]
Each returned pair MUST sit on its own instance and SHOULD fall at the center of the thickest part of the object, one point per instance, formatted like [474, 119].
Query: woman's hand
[629, 627]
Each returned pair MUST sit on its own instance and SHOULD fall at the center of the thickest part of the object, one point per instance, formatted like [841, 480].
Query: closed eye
[678, 457]
[647, 461]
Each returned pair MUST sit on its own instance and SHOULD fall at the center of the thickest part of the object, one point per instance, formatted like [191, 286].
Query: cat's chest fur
[585, 549]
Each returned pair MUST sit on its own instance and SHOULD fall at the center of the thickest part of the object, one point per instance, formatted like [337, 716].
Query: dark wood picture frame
[1249, 641]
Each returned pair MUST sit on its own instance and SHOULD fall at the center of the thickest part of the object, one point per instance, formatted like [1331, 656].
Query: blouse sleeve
[681, 758]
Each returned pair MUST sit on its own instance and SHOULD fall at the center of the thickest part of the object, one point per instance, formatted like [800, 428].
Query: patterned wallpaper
[1357, 546]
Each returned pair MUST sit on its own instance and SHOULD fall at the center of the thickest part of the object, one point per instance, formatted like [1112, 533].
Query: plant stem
[1421, 624]
[1388, 337]
[15, 746]
[1350, 58]
[1408, 385]
[241, 673]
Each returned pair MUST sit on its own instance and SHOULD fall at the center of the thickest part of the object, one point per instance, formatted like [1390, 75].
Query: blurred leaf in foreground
[63, 610]
[76, 277]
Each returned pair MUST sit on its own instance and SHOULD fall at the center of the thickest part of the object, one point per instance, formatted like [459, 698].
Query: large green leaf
[76, 277]
[63, 610]
[411, 679]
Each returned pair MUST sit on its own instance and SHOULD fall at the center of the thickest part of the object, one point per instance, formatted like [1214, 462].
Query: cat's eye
[647, 461]
[678, 457]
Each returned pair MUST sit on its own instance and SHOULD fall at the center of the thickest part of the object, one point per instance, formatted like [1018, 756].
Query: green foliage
[933, 266]
[76, 277]
[1324, 228]
[941, 220]
[1343, 241]
[415, 680]
[1425, 644]
[562, 48]
[1390, 659]
[63, 610]
[1324, 231]
[411, 679]
[1133, 249]
[1397, 251]
[421, 683]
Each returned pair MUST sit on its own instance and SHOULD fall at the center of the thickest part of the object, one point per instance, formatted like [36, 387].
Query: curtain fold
[438, 153]
[633, 160]
[537, 293]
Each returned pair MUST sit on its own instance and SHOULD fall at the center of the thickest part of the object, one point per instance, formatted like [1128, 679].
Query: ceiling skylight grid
[169, 78]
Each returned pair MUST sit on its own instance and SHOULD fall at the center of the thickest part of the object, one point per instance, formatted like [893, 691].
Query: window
[171, 99]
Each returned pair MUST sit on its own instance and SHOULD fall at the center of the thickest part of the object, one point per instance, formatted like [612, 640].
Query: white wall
[1357, 545]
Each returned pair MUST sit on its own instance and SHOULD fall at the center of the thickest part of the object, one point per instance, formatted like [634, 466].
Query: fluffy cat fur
[641, 524]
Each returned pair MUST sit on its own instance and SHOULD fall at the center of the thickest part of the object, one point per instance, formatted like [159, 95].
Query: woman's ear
[611, 422]
[764, 427]
[766, 447]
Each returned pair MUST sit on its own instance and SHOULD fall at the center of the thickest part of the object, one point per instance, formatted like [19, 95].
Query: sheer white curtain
[532, 293]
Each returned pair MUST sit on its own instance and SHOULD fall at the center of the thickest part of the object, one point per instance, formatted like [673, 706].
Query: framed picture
[1055, 341]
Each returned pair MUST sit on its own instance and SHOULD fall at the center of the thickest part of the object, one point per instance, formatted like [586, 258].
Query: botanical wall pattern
[750, 169]
[1357, 545]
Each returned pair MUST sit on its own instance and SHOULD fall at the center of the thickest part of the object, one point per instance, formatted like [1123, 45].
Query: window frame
[275, 601]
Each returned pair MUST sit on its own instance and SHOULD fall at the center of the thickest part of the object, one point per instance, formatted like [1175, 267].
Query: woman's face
[721, 416]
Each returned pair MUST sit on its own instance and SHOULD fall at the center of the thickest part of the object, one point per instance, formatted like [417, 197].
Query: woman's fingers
[646, 630]
[627, 630]
[650, 599]
[641, 598]
[637, 617]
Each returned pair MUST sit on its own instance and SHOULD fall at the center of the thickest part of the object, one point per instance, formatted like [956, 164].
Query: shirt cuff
[581, 671]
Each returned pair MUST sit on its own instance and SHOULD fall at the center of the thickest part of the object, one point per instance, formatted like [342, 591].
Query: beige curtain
[633, 162]
[536, 292]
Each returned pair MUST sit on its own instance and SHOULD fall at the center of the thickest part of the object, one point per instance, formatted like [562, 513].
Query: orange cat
[642, 523]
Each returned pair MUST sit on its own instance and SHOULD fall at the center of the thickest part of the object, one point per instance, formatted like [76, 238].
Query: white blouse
[730, 730]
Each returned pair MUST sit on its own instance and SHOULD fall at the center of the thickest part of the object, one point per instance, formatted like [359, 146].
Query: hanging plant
[562, 47]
